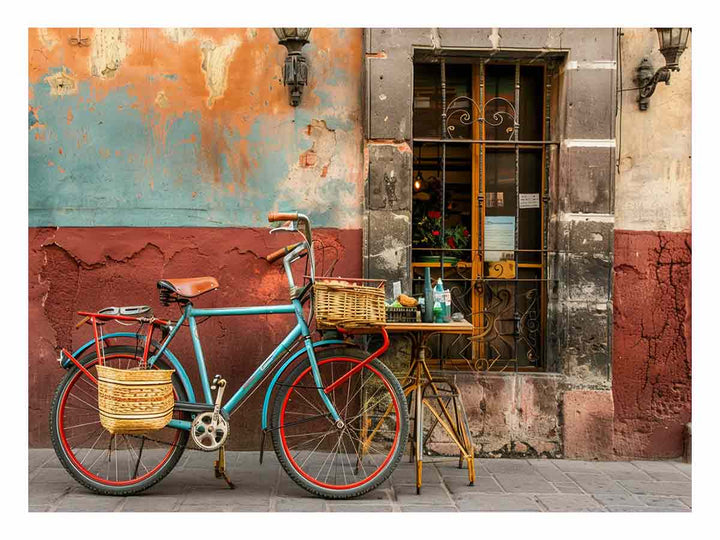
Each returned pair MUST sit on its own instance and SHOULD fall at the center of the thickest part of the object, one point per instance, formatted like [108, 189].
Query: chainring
[209, 431]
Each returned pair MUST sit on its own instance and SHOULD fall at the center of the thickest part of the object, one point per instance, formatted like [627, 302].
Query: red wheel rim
[377, 471]
[69, 452]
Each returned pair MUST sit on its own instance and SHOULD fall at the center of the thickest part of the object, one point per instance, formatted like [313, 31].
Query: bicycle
[337, 416]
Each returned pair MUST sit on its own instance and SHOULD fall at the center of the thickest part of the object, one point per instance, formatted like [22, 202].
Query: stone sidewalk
[501, 485]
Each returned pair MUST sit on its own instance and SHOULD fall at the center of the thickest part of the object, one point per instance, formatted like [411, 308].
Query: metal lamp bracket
[647, 80]
[295, 76]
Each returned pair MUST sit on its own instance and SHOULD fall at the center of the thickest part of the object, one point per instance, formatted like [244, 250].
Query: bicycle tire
[397, 403]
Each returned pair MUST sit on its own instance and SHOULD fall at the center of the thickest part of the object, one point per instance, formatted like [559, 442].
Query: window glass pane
[427, 102]
[499, 101]
[531, 103]
[427, 199]
[499, 182]
[530, 200]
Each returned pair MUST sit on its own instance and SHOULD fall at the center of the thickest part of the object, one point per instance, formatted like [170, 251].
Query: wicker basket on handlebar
[134, 400]
[349, 303]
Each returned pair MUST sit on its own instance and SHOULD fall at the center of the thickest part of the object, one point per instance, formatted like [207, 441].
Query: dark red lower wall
[71, 269]
[651, 342]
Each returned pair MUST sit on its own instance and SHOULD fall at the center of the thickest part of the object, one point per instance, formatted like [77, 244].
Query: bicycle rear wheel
[350, 458]
[120, 464]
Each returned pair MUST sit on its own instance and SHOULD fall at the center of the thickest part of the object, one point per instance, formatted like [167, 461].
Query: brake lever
[291, 228]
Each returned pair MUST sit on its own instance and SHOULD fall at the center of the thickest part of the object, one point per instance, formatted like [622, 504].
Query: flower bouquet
[427, 232]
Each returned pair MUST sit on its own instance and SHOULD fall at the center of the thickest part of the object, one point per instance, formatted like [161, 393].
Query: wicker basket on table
[349, 303]
[134, 400]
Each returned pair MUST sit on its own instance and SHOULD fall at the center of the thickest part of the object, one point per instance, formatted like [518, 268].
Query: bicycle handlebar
[275, 255]
[302, 226]
[282, 216]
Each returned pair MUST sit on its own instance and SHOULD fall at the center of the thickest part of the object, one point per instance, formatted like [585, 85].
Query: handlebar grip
[275, 255]
[282, 216]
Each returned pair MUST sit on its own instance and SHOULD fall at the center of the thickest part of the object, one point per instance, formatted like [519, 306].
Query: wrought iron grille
[493, 121]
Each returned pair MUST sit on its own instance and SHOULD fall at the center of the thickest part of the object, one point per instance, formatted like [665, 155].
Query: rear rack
[121, 315]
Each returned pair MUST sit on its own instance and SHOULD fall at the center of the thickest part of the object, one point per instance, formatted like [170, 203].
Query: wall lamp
[295, 71]
[673, 42]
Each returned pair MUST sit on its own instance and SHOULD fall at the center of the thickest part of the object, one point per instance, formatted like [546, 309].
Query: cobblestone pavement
[501, 485]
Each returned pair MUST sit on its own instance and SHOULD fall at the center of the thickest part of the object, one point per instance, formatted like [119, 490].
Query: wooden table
[428, 391]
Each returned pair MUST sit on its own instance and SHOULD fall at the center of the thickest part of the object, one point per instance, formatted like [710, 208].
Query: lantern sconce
[673, 42]
[295, 71]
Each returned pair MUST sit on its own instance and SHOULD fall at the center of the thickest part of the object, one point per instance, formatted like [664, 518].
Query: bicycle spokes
[353, 450]
[120, 459]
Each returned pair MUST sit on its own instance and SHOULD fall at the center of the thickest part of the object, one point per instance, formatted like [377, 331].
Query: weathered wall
[181, 127]
[580, 230]
[157, 153]
[652, 290]
[510, 415]
[77, 268]
[652, 351]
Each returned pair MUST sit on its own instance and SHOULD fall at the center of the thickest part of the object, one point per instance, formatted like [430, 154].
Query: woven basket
[349, 303]
[134, 400]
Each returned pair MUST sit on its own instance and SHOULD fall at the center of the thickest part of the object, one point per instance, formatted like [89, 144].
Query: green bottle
[437, 312]
[439, 299]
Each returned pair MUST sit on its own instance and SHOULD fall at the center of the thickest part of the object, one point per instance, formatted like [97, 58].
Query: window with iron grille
[482, 173]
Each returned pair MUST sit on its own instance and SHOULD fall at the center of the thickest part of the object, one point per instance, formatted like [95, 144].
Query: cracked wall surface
[190, 127]
[652, 371]
[73, 269]
[652, 361]
[509, 415]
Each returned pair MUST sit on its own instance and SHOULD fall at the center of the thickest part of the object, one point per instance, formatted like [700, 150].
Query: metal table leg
[419, 421]
[419, 379]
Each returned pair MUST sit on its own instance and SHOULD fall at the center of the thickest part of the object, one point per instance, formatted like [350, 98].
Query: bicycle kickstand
[220, 468]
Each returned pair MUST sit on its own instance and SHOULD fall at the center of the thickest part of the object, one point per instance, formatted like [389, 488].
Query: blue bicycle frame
[300, 330]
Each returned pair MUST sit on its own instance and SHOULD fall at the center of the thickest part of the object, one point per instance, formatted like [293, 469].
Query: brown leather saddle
[179, 289]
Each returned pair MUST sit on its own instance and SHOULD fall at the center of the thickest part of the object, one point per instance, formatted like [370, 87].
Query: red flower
[434, 214]
[451, 242]
[436, 233]
[466, 232]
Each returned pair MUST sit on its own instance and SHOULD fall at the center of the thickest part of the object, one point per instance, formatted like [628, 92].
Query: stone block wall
[581, 227]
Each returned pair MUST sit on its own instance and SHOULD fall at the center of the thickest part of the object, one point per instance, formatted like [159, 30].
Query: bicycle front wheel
[345, 459]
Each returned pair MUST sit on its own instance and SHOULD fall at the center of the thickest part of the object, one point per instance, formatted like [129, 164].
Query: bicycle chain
[186, 447]
[206, 451]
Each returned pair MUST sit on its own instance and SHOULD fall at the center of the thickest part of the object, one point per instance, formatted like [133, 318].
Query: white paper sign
[529, 200]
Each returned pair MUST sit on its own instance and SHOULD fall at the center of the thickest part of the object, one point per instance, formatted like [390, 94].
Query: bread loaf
[407, 301]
